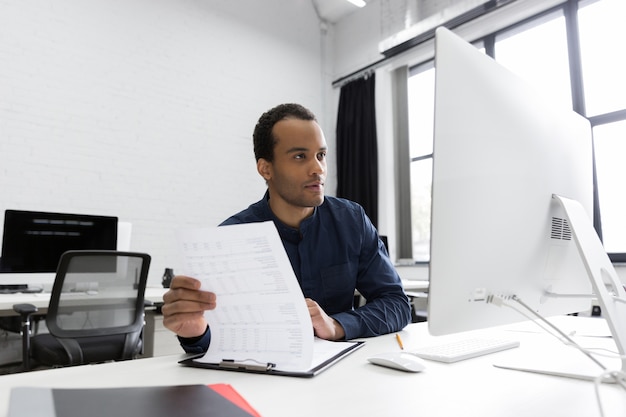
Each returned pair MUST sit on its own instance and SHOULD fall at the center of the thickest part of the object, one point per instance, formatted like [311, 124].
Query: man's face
[297, 174]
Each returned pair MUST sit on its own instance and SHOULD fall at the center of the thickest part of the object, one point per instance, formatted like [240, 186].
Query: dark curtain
[357, 152]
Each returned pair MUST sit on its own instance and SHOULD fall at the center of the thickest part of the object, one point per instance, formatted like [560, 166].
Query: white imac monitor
[501, 152]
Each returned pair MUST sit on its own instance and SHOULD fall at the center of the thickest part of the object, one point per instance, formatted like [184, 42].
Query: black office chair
[96, 311]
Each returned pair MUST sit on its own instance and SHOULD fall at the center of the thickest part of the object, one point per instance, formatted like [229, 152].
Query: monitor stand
[605, 282]
[607, 289]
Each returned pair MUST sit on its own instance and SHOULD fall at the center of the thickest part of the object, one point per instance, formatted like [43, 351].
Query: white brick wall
[144, 109]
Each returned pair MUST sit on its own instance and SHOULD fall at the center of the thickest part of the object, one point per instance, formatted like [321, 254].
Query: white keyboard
[463, 349]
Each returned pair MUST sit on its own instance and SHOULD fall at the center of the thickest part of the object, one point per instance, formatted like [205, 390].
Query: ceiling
[334, 10]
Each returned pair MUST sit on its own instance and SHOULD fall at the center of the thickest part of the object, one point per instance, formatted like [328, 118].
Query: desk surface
[414, 285]
[154, 294]
[41, 300]
[354, 387]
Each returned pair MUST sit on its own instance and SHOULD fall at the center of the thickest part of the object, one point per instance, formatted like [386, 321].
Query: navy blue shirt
[334, 252]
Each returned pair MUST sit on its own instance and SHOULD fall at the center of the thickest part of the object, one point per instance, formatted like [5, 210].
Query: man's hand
[324, 326]
[184, 307]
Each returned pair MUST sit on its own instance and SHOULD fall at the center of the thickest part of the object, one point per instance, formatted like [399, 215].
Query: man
[333, 247]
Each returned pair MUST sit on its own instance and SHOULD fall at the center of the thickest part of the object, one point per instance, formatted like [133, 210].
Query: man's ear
[264, 168]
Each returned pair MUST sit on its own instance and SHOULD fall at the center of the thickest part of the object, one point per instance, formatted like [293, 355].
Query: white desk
[354, 387]
[414, 285]
[41, 300]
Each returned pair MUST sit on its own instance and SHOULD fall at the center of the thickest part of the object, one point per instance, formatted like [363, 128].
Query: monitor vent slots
[560, 229]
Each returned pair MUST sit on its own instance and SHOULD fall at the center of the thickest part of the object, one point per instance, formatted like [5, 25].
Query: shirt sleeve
[198, 344]
[387, 308]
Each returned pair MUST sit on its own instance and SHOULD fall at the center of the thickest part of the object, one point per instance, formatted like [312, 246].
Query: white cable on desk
[618, 376]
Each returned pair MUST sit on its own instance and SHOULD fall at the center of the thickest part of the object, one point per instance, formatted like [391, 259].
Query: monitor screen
[34, 241]
[501, 150]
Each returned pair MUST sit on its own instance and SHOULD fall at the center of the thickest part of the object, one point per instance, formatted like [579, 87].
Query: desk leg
[148, 334]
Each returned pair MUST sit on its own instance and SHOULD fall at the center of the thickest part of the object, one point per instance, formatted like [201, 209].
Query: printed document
[261, 316]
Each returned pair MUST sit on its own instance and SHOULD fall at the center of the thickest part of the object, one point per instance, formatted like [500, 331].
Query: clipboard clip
[244, 366]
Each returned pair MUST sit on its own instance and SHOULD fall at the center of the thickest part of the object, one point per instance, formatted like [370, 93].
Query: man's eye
[321, 156]
[299, 156]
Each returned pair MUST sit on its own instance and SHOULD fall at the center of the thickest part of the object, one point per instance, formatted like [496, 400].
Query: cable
[609, 354]
[619, 299]
[618, 376]
[559, 331]
[500, 302]
[570, 341]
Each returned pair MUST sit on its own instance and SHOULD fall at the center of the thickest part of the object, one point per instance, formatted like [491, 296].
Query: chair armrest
[25, 309]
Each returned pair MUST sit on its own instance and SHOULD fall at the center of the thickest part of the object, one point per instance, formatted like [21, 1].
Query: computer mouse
[402, 361]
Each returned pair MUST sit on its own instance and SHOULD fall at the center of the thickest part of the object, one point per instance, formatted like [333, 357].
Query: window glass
[610, 148]
[538, 53]
[421, 186]
[602, 36]
[421, 96]
[421, 112]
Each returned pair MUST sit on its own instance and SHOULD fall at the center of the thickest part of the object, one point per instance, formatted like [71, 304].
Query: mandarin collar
[288, 233]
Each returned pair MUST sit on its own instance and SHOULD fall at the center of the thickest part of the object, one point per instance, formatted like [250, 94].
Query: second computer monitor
[34, 241]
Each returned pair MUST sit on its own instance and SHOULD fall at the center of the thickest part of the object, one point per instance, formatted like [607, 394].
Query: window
[537, 52]
[544, 50]
[610, 148]
[421, 88]
[602, 35]
[603, 69]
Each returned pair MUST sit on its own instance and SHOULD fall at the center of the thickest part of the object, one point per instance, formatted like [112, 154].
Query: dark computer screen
[34, 241]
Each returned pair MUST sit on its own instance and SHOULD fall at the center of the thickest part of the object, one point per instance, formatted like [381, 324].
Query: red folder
[228, 392]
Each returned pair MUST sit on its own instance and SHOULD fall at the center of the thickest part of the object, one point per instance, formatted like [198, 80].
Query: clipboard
[270, 368]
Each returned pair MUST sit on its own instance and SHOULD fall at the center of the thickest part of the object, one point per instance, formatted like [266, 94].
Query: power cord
[619, 299]
[618, 376]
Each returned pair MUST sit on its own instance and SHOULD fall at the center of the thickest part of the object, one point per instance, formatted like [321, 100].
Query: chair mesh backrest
[98, 293]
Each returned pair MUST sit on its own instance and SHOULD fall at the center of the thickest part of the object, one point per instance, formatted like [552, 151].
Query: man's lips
[315, 185]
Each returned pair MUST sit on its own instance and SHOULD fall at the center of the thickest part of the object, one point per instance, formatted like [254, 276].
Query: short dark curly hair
[263, 137]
